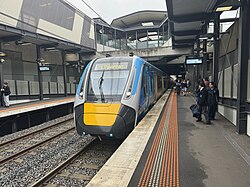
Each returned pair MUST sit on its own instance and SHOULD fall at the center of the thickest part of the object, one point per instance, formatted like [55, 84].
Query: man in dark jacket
[213, 94]
[203, 103]
[6, 94]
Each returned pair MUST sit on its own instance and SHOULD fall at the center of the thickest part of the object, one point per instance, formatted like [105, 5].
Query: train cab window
[107, 81]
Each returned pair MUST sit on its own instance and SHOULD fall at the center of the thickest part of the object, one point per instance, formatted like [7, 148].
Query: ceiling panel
[187, 26]
[185, 37]
[184, 7]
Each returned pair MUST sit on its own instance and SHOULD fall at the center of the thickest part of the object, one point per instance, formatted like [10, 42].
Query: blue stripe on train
[138, 65]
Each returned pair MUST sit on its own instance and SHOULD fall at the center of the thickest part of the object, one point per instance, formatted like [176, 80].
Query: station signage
[44, 68]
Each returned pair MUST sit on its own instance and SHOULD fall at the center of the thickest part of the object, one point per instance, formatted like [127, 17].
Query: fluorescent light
[54, 50]
[26, 43]
[225, 8]
[147, 24]
[2, 54]
[49, 48]
[203, 38]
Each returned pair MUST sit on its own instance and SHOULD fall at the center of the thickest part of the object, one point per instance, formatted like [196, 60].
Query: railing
[31, 88]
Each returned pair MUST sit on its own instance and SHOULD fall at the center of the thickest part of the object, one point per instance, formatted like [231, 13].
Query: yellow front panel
[100, 114]
[102, 108]
[99, 119]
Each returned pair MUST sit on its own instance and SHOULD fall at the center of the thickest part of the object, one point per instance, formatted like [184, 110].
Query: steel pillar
[216, 47]
[64, 73]
[243, 51]
[38, 56]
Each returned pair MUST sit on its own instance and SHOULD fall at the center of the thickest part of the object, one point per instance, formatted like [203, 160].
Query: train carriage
[114, 93]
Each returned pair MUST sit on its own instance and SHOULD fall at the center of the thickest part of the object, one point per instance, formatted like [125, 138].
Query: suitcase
[195, 110]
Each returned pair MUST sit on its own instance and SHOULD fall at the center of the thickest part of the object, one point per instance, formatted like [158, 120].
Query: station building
[41, 44]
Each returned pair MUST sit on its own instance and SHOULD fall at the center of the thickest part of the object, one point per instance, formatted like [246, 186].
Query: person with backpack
[6, 93]
[213, 93]
[203, 103]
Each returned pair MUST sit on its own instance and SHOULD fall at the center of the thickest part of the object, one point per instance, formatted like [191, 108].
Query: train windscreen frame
[107, 80]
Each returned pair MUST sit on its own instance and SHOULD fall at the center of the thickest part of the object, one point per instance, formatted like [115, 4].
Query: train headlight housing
[81, 95]
[129, 90]
[128, 94]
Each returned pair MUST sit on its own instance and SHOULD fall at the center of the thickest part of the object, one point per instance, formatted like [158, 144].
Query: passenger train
[114, 93]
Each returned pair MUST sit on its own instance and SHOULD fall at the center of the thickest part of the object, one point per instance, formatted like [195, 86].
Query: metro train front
[106, 103]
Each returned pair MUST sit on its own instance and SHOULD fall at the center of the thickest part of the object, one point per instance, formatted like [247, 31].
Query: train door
[156, 86]
[151, 85]
[144, 95]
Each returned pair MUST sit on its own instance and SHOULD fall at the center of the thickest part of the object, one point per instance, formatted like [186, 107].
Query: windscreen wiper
[100, 87]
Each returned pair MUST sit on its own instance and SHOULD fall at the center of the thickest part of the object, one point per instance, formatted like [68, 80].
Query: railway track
[16, 147]
[79, 169]
[34, 132]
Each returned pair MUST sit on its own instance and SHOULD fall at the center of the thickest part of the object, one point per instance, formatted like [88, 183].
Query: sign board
[44, 68]
[192, 60]
[72, 57]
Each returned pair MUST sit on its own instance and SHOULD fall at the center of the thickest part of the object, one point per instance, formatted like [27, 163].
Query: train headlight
[128, 94]
[81, 95]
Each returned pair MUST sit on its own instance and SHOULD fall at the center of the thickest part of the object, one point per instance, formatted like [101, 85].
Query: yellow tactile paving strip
[162, 167]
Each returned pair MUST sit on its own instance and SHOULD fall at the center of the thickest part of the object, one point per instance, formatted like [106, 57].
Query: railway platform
[24, 115]
[169, 148]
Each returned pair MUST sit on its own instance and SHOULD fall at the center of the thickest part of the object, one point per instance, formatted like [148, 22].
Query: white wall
[248, 124]
[228, 113]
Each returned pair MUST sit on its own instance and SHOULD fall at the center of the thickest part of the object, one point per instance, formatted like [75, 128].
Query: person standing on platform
[178, 86]
[213, 93]
[184, 87]
[188, 85]
[6, 93]
[203, 103]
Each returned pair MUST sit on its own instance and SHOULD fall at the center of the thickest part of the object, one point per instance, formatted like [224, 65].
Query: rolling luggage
[195, 110]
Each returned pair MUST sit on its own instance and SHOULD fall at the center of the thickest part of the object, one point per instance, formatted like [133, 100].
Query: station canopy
[188, 18]
[140, 19]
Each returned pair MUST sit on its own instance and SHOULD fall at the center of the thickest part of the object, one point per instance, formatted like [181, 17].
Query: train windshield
[107, 81]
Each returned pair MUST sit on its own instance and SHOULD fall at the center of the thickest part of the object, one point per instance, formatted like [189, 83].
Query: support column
[136, 39]
[1, 78]
[204, 65]
[147, 39]
[243, 50]
[64, 73]
[38, 56]
[216, 47]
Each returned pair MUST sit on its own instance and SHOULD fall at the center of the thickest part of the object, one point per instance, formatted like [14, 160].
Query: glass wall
[109, 38]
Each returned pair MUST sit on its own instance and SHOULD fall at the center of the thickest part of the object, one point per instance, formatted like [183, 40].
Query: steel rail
[62, 166]
[33, 133]
[3, 161]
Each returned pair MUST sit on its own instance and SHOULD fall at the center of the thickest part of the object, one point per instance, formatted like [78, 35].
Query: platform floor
[19, 108]
[211, 155]
[180, 152]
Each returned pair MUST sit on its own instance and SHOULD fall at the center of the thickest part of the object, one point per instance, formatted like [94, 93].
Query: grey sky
[111, 9]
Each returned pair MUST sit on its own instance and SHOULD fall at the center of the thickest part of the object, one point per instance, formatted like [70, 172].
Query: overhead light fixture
[2, 54]
[203, 38]
[101, 31]
[147, 24]
[206, 36]
[22, 43]
[53, 50]
[26, 43]
[228, 5]
[50, 48]
[40, 60]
